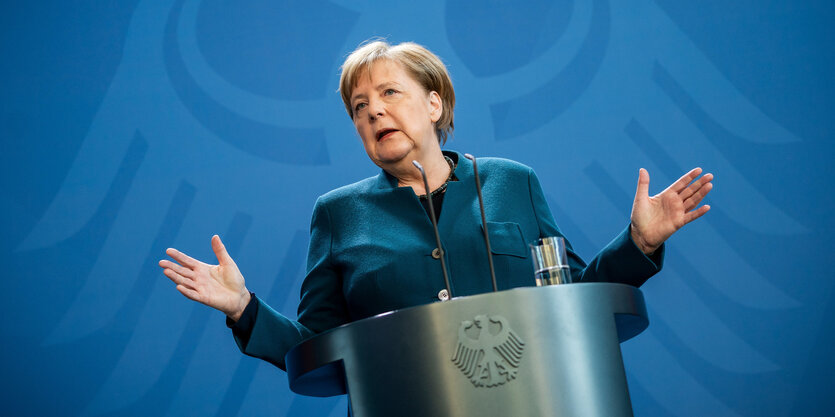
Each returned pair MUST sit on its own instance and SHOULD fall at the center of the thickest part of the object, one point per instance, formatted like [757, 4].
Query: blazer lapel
[459, 195]
[457, 199]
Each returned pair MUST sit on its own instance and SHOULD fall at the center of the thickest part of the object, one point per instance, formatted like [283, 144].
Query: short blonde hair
[424, 66]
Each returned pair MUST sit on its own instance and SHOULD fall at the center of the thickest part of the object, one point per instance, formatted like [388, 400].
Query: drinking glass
[550, 264]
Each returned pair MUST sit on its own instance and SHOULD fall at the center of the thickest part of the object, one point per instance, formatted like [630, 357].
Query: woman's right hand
[218, 286]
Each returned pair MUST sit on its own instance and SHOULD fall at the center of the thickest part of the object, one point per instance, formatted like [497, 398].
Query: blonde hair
[424, 66]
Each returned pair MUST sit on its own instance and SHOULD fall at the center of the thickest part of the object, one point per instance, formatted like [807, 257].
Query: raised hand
[654, 219]
[218, 286]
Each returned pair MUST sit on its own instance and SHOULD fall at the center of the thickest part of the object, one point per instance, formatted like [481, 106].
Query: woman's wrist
[639, 241]
[246, 297]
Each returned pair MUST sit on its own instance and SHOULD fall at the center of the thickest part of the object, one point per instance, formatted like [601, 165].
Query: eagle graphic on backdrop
[488, 352]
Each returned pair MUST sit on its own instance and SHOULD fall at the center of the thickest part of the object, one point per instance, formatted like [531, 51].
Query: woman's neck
[437, 171]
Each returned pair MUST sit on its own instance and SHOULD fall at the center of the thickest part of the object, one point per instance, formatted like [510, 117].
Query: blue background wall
[128, 127]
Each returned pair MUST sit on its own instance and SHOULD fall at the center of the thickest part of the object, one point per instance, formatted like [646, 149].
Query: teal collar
[463, 171]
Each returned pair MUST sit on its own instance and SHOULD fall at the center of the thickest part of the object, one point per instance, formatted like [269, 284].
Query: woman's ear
[436, 106]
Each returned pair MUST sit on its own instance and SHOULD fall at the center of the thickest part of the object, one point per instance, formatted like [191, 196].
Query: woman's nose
[376, 109]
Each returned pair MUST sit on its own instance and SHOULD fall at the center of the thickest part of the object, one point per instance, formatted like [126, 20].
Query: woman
[372, 248]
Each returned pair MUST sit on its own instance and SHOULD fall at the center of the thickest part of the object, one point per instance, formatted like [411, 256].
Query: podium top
[420, 336]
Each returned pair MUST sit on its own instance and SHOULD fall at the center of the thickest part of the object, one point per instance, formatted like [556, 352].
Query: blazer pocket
[506, 239]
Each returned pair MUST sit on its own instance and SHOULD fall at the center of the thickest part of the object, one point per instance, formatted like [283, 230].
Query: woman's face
[394, 116]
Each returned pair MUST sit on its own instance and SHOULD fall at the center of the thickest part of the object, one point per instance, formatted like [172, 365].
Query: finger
[696, 198]
[220, 251]
[642, 190]
[685, 179]
[189, 293]
[188, 273]
[177, 278]
[695, 214]
[182, 258]
[696, 186]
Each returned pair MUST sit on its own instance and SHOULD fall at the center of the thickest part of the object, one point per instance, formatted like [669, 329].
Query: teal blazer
[371, 246]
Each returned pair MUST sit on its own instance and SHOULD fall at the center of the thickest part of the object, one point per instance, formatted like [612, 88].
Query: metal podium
[533, 351]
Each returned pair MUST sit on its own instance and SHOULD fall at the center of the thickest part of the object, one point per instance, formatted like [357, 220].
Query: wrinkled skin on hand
[218, 286]
[656, 218]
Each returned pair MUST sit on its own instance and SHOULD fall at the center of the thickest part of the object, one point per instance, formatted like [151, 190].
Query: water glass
[550, 264]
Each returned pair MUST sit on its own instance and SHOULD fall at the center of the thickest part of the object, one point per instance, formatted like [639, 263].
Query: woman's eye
[360, 106]
[389, 92]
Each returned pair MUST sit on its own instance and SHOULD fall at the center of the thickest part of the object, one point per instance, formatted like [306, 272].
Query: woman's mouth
[385, 133]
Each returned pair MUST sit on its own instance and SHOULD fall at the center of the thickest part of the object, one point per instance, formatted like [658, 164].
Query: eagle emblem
[488, 352]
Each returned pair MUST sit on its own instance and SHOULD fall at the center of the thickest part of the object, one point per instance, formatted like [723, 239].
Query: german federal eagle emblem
[488, 352]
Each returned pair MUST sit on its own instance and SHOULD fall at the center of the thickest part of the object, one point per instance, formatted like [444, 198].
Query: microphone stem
[483, 221]
[435, 227]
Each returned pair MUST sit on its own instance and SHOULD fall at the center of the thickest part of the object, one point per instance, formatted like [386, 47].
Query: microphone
[483, 220]
[435, 227]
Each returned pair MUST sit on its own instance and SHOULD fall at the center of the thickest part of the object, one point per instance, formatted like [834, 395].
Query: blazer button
[436, 253]
[443, 295]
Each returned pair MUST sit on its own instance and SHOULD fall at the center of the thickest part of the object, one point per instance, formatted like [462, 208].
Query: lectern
[534, 351]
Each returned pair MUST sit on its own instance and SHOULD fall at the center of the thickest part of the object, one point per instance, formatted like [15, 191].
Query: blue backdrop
[131, 126]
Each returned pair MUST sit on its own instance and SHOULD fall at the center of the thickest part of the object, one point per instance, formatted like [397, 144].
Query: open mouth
[384, 133]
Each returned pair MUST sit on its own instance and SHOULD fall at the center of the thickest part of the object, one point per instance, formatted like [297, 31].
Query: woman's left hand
[654, 219]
